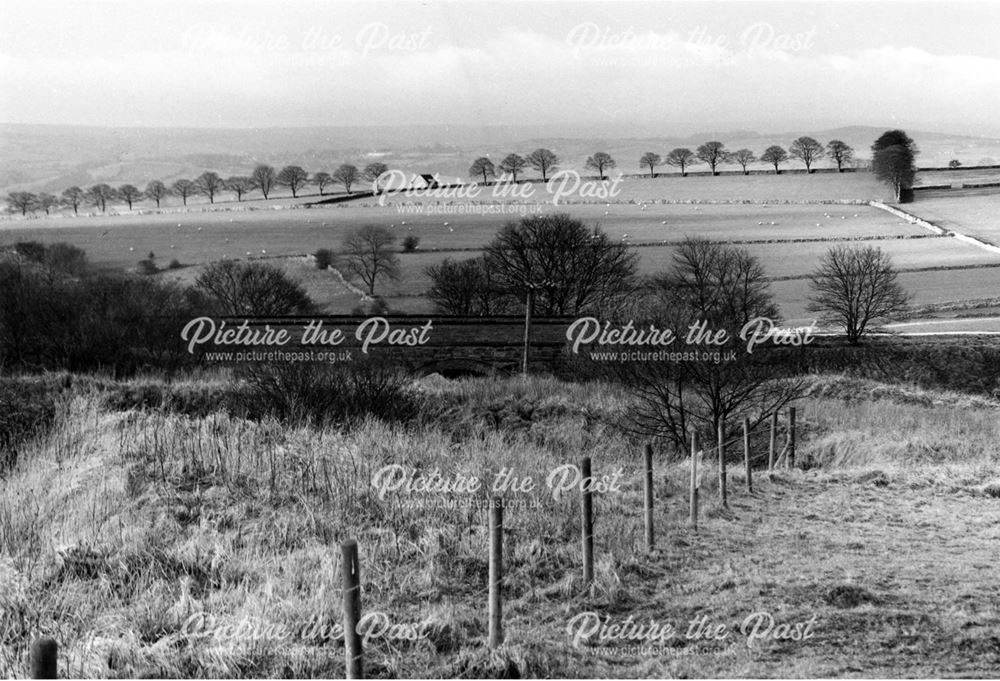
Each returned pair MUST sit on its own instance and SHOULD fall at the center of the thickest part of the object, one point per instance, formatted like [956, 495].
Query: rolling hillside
[51, 158]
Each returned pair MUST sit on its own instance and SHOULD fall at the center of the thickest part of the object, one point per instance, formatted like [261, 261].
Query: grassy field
[201, 237]
[977, 215]
[117, 528]
[927, 288]
[960, 176]
[783, 260]
[756, 188]
[648, 211]
[198, 236]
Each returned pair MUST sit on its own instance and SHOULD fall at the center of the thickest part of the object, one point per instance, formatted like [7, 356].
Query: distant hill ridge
[51, 158]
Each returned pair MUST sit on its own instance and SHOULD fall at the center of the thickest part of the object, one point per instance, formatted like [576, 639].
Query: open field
[975, 214]
[799, 259]
[458, 228]
[927, 288]
[787, 260]
[887, 544]
[960, 176]
[199, 237]
[797, 187]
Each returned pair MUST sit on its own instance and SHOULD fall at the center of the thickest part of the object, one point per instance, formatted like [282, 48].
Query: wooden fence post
[774, 440]
[587, 518]
[722, 464]
[650, 540]
[496, 572]
[694, 479]
[746, 454]
[44, 659]
[791, 437]
[352, 609]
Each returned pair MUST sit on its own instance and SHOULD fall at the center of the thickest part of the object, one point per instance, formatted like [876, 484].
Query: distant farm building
[426, 181]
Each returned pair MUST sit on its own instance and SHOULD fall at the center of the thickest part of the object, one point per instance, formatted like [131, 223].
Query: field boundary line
[908, 270]
[735, 242]
[964, 238]
[909, 217]
[977, 242]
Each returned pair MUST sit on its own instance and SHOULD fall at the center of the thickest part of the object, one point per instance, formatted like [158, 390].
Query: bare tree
[373, 171]
[293, 177]
[157, 191]
[253, 289]
[650, 160]
[368, 254]
[100, 194]
[724, 288]
[714, 154]
[21, 201]
[513, 164]
[47, 202]
[744, 157]
[346, 175]
[209, 184]
[856, 286]
[73, 197]
[484, 167]
[129, 193]
[184, 189]
[600, 162]
[774, 155]
[322, 180]
[840, 153]
[807, 150]
[681, 157]
[467, 287]
[240, 185]
[544, 161]
[567, 266]
[264, 179]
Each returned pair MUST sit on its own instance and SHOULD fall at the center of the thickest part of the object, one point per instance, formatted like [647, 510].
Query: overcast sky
[676, 68]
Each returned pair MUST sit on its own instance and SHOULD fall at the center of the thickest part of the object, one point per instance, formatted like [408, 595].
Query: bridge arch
[458, 367]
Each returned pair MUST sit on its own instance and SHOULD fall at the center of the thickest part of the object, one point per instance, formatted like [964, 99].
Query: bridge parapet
[421, 343]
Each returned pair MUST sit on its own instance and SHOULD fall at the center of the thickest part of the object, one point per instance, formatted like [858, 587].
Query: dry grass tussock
[117, 527]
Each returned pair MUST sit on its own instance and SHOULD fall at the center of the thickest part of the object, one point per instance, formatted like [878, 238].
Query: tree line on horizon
[893, 159]
[264, 179]
[714, 153]
[806, 149]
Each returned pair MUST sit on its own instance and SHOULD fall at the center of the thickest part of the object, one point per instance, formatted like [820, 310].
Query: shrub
[194, 400]
[60, 256]
[299, 393]
[66, 258]
[324, 258]
[410, 243]
[106, 321]
[373, 307]
[175, 264]
[253, 289]
[26, 408]
[32, 250]
[467, 287]
[148, 267]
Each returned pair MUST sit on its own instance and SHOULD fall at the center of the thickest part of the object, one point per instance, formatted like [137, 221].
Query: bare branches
[368, 254]
[807, 150]
[856, 287]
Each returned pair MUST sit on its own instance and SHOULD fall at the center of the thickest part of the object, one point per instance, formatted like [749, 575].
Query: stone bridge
[425, 344]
